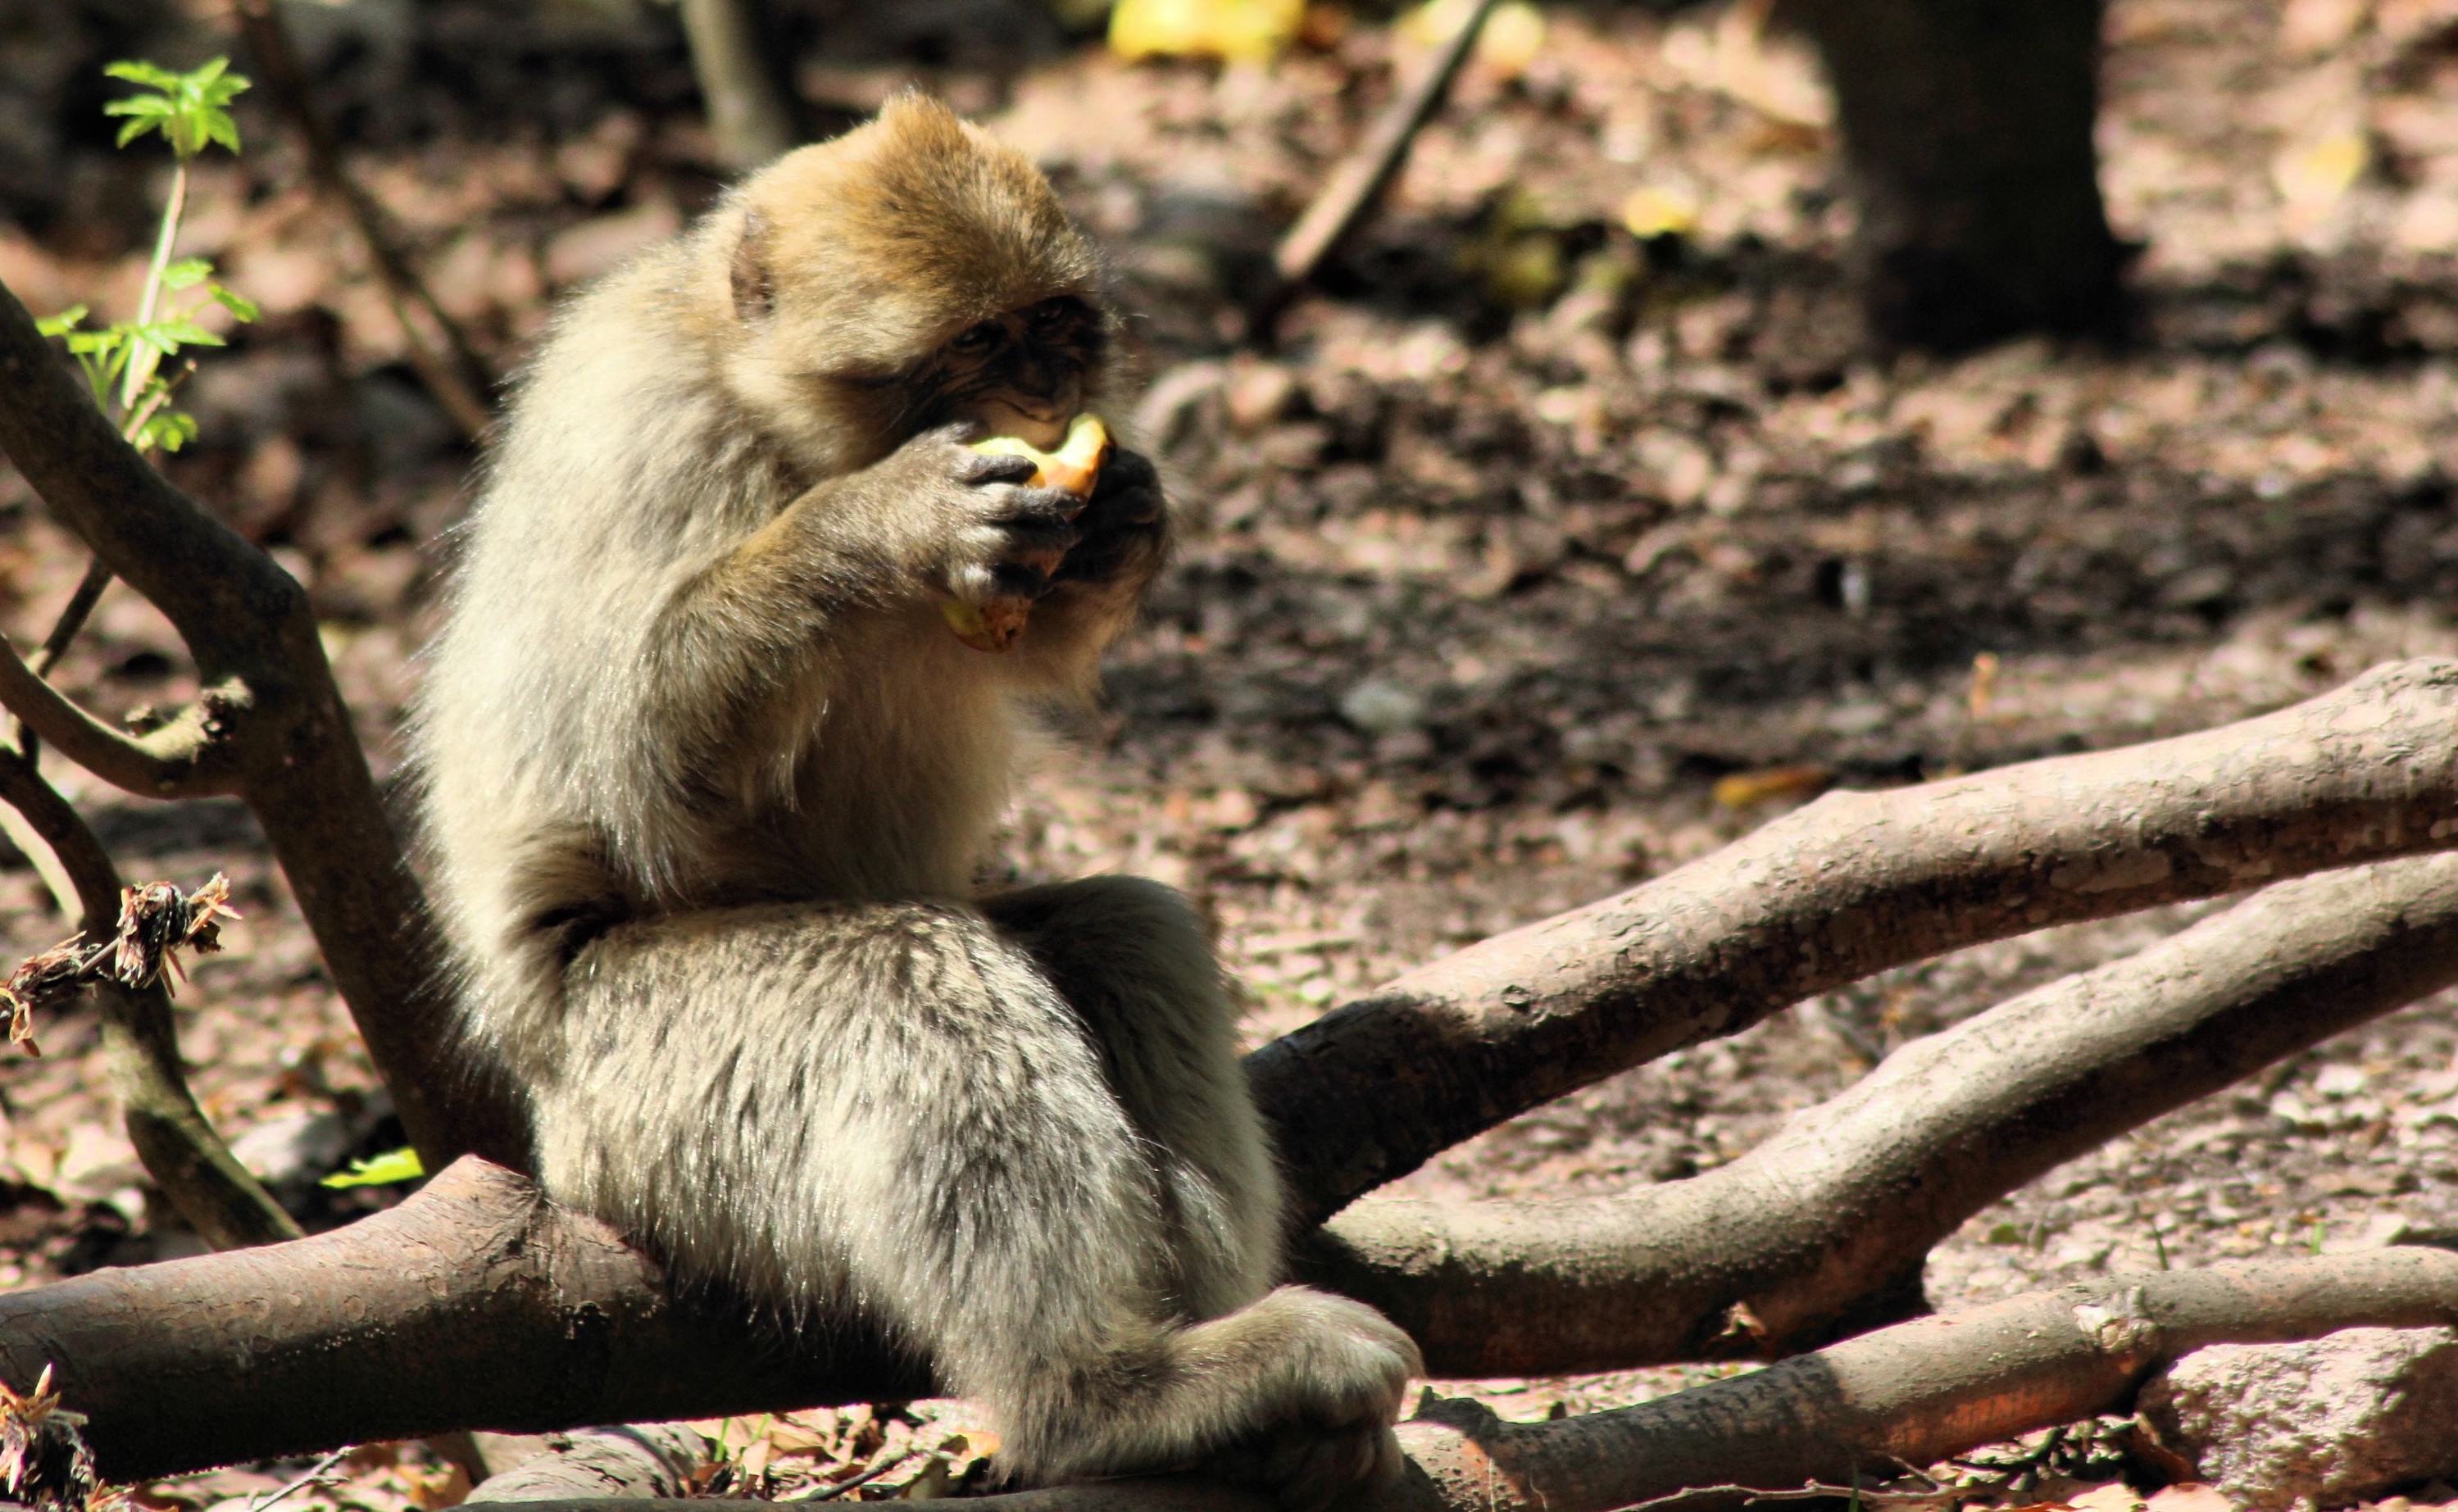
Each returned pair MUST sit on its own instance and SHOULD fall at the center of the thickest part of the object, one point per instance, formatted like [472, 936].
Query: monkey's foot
[1309, 1467]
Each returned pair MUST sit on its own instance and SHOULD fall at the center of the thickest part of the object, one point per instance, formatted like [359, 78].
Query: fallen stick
[1847, 886]
[1914, 1394]
[1357, 184]
[454, 375]
[1821, 1228]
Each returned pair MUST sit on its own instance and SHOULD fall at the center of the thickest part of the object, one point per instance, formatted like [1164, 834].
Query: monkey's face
[912, 272]
[1025, 373]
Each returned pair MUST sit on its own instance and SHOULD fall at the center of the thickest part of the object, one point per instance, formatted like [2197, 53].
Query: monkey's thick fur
[707, 779]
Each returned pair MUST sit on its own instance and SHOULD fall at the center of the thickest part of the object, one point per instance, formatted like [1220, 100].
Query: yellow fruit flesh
[1074, 467]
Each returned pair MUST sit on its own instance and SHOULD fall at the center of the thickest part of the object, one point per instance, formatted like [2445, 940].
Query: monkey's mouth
[1043, 427]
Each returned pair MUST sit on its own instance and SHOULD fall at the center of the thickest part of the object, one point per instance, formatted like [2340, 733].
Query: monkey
[706, 780]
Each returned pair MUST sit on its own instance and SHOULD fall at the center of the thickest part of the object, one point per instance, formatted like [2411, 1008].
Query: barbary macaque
[708, 776]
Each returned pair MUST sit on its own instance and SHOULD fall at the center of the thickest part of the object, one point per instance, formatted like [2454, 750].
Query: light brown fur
[707, 779]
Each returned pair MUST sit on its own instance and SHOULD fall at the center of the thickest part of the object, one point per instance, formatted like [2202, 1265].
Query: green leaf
[187, 273]
[83, 344]
[190, 110]
[176, 332]
[384, 1169]
[62, 323]
[167, 428]
[241, 307]
[138, 72]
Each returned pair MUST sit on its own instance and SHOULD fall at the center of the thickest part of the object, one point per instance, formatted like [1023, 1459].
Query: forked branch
[276, 718]
[1844, 887]
[1914, 1394]
[1850, 886]
[1829, 1219]
[183, 758]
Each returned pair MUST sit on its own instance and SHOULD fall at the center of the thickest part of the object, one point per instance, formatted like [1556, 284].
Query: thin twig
[176, 1143]
[1357, 184]
[456, 374]
[302, 1483]
[72, 618]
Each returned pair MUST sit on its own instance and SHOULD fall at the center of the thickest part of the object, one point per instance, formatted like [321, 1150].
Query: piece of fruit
[1074, 467]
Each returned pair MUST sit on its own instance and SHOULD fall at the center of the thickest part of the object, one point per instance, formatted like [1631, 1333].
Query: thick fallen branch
[273, 726]
[1847, 886]
[1914, 1394]
[1828, 1220]
[475, 1304]
[1850, 886]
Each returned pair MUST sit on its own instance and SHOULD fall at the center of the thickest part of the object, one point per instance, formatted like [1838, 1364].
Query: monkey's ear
[755, 292]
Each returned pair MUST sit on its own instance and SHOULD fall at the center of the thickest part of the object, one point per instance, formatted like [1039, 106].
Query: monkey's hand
[1122, 528]
[1348, 1369]
[972, 528]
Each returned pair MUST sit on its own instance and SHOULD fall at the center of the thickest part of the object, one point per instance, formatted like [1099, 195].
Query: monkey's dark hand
[985, 534]
[1122, 528]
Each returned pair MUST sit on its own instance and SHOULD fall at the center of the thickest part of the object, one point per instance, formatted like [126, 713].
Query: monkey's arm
[931, 520]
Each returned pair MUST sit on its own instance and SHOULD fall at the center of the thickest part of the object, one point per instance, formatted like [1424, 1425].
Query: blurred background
[1725, 401]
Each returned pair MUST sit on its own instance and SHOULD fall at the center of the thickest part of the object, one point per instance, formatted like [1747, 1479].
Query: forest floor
[1537, 559]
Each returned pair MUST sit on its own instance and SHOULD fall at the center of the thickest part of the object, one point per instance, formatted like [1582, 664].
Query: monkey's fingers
[1074, 467]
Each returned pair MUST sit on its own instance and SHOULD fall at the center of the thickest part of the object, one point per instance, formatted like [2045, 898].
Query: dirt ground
[1529, 532]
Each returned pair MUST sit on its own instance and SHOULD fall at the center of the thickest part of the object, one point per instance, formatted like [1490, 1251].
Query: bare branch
[1853, 884]
[184, 759]
[1829, 1220]
[475, 1303]
[455, 375]
[1356, 186]
[72, 617]
[1914, 1394]
[178, 1145]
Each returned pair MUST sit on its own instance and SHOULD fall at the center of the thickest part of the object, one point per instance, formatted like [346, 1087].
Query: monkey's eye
[1049, 314]
[976, 339]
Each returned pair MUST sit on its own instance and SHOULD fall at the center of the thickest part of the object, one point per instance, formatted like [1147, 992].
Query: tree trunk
[1967, 147]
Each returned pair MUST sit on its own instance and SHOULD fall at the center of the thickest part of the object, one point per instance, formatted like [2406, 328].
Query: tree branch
[174, 1139]
[749, 111]
[184, 759]
[1357, 184]
[1804, 1235]
[476, 1302]
[1909, 1395]
[287, 735]
[1844, 887]
[1850, 886]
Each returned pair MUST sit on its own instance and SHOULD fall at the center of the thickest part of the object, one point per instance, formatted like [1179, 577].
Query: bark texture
[477, 1303]
[1967, 145]
[1913, 1394]
[1796, 1241]
[1849, 885]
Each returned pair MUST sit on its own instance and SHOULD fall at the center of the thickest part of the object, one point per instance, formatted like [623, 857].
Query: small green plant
[123, 360]
[391, 1167]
